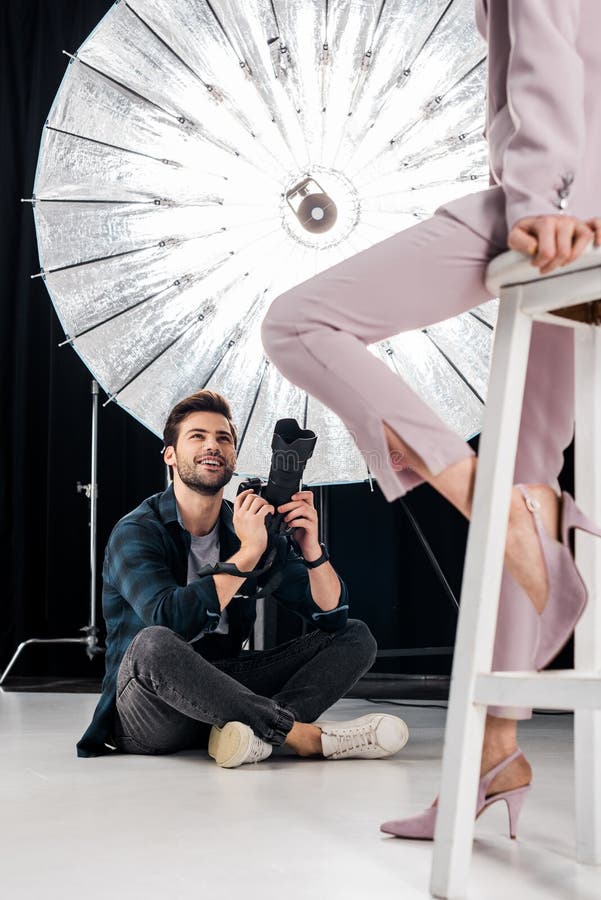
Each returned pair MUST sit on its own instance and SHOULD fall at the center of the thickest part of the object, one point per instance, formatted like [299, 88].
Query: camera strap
[230, 568]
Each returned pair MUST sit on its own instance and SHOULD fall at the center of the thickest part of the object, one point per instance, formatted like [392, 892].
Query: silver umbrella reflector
[201, 158]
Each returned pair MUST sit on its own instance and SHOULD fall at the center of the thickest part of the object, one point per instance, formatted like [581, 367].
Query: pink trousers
[317, 334]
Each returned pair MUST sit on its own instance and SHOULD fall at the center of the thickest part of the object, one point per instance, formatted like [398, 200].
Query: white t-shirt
[204, 551]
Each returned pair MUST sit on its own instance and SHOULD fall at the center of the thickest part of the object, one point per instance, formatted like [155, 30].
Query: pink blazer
[543, 116]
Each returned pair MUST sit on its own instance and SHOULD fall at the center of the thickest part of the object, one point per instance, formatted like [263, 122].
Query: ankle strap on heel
[492, 773]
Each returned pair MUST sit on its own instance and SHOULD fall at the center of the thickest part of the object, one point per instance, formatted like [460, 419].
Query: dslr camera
[292, 446]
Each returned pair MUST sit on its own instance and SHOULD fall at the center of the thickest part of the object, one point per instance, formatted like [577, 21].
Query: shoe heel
[515, 801]
[573, 517]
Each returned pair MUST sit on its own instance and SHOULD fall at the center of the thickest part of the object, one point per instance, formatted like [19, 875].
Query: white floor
[177, 827]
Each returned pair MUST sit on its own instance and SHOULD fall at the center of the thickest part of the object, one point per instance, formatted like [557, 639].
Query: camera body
[292, 447]
[273, 522]
[258, 486]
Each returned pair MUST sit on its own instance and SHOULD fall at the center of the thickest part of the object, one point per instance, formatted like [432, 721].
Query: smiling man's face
[204, 455]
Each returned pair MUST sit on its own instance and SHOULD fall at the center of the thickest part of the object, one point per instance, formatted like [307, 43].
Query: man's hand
[553, 241]
[301, 515]
[249, 520]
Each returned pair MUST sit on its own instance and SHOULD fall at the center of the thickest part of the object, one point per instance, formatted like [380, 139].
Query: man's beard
[195, 477]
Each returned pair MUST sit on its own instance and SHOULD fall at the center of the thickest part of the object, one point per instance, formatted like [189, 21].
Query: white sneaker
[236, 744]
[369, 737]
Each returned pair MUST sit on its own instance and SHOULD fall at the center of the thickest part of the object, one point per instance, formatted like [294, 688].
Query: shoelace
[358, 738]
[256, 750]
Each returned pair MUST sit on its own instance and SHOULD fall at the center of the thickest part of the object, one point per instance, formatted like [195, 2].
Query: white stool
[569, 297]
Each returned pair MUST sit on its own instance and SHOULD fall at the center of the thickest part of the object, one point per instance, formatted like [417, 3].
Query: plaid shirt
[144, 583]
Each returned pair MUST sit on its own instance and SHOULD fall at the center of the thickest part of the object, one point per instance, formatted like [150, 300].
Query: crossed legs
[168, 695]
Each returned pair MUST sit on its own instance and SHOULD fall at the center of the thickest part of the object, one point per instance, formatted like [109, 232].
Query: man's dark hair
[201, 401]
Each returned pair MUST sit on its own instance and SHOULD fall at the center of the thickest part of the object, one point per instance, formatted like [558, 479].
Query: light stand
[90, 631]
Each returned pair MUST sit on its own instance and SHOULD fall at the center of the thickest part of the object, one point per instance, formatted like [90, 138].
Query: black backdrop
[45, 415]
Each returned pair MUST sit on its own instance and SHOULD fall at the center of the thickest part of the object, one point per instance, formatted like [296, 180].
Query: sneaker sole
[228, 745]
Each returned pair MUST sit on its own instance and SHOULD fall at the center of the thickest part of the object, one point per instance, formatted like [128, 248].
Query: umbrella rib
[441, 182]
[290, 98]
[179, 118]
[378, 20]
[402, 135]
[440, 149]
[252, 407]
[454, 367]
[432, 30]
[156, 202]
[93, 200]
[152, 361]
[162, 353]
[179, 58]
[184, 63]
[465, 75]
[83, 137]
[95, 259]
[165, 44]
[395, 86]
[217, 364]
[116, 315]
[417, 160]
[128, 89]
[232, 342]
[243, 63]
[226, 35]
[480, 319]
[358, 79]
[209, 376]
[275, 16]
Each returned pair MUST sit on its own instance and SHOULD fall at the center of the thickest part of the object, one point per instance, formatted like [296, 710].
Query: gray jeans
[169, 695]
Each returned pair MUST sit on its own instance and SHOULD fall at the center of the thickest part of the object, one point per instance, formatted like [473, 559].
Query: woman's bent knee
[277, 324]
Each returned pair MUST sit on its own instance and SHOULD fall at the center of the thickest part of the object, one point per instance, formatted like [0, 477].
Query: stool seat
[567, 297]
[511, 268]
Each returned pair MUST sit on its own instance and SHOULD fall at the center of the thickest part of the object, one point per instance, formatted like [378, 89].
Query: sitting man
[176, 675]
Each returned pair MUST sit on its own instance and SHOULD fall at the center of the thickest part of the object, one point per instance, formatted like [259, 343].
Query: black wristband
[320, 559]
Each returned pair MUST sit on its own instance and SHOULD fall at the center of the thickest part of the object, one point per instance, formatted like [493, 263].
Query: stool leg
[587, 724]
[480, 597]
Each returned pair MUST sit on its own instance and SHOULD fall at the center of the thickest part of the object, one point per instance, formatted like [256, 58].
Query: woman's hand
[553, 241]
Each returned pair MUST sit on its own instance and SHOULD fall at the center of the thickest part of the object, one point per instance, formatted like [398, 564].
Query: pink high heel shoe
[421, 827]
[567, 594]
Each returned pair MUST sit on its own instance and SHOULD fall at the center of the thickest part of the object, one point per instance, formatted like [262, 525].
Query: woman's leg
[317, 334]
[546, 429]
